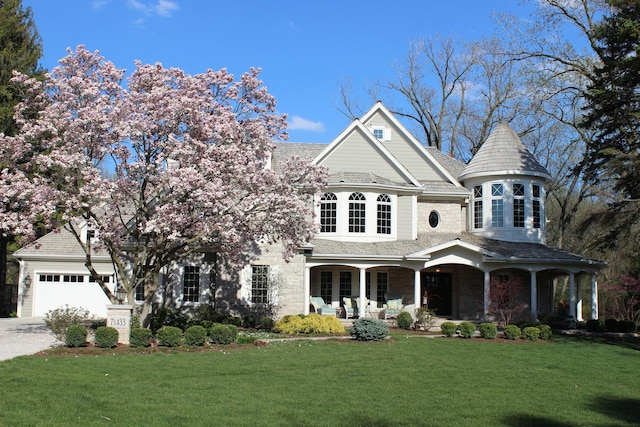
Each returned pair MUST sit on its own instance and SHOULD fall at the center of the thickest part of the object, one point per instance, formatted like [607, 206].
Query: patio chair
[392, 308]
[320, 307]
[350, 307]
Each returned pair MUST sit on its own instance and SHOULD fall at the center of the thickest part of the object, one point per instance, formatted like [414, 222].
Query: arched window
[328, 213]
[357, 211]
[384, 214]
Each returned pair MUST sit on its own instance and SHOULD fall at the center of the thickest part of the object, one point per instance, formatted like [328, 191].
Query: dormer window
[381, 133]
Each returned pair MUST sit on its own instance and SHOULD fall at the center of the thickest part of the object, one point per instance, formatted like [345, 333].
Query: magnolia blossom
[161, 166]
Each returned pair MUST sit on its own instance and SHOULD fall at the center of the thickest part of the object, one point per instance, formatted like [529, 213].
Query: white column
[534, 294]
[307, 289]
[579, 300]
[417, 298]
[572, 295]
[362, 309]
[594, 297]
[487, 287]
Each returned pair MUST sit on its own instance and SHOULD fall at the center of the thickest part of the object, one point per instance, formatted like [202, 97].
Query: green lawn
[404, 381]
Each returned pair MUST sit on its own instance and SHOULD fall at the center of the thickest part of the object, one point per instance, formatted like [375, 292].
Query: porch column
[362, 310]
[579, 300]
[594, 297]
[307, 289]
[417, 298]
[485, 297]
[572, 295]
[534, 294]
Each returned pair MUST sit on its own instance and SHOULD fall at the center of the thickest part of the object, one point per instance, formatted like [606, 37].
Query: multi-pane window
[378, 133]
[326, 286]
[73, 278]
[537, 208]
[260, 284]
[328, 213]
[477, 207]
[191, 283]
[357, 210]
[105, 279]
[49, 277]
[384, 214]
[139, 292]
[518, 205]
[497, 205]
[345, 284]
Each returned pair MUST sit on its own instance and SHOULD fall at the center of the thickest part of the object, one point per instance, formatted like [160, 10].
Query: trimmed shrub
[267, 323]
[140, 337]
[404, 320]
[448, 328]
[365, 329]
[169, 336]
[222, 334]
[611, 325]
[94, 324]
[595, 325]
[195, 335]
[512, 332]
[626, 326]
[76, 336]
[106, 337]
[311, 324]
[467, 329]
[60, 319]
[488, 330]
[249, 321]
[531, 333]
[545, 332]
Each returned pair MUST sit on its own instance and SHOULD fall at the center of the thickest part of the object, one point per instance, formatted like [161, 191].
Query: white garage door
[57, 290]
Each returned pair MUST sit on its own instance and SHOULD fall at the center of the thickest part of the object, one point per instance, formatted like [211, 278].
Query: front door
[436, 291]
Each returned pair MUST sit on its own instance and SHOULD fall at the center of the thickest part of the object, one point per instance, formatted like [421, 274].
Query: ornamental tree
[168, 165]
[505, 298]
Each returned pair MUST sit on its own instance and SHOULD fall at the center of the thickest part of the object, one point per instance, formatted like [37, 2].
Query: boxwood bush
[106, 337]
[512, 332]
[140, 337]
[626, 326]
[448, 328]
[365, 329]
[488, 330]
[267, 323]
[76, 336]
[195, 335]
[467, 329]
[545, 332]
[595, 325]
[404, 320]
[611, 325]
[222, 334]
[169, 336]
[531, 333]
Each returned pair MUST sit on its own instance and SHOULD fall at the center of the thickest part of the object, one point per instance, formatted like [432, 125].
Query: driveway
[20, 337]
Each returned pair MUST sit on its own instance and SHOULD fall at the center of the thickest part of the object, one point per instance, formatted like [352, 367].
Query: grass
[402, 381]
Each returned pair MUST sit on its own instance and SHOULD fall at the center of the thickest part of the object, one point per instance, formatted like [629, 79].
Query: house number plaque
[119, 317]
[118, 322]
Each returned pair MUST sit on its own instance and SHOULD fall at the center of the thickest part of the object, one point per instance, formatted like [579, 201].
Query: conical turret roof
[503, 153]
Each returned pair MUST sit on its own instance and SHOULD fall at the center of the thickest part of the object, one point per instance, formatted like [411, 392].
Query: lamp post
[121, 294]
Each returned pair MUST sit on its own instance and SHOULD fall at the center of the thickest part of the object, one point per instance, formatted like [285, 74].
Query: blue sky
[305, 48]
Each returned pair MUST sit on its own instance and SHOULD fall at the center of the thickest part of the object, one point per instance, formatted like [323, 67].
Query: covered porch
[453, 279]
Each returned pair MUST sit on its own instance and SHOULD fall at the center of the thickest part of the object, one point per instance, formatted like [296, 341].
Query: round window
[434, 219]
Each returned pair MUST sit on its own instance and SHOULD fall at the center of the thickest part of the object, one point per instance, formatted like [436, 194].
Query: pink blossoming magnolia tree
[186, 156]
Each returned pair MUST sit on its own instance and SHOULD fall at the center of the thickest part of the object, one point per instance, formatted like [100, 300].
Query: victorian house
[398, 221]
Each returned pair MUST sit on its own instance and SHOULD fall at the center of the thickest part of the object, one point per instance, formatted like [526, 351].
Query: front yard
[406, 380]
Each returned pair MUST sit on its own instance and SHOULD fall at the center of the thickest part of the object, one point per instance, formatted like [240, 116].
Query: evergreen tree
[20, 50]
[613, 112]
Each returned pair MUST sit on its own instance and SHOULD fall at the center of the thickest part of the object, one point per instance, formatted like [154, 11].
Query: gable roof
[503, 153]
[373, 142]
[59, 243]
